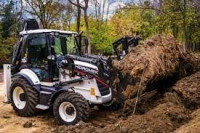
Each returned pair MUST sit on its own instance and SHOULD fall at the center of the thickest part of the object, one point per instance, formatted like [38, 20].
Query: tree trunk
[104, 3]
[78, 17]
[69, 25]
[107, 13]
[87, 30]
[184, 23]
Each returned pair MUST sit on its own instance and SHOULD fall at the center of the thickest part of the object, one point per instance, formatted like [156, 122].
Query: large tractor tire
[69, 108]
[23, 97]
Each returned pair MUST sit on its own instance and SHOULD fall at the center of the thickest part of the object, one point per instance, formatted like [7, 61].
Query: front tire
[23, 97]
[69, 108]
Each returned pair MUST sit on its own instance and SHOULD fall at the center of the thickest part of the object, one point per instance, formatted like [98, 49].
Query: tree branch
[77, 5]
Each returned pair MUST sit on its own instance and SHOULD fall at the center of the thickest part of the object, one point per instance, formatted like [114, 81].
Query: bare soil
[188, 89]
[157, 63]
[11, 123]
[193, 126]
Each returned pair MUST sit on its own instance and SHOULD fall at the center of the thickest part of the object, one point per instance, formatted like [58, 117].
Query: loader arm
[121, 45]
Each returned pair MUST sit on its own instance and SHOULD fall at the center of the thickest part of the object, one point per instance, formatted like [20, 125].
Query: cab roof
[46, 31]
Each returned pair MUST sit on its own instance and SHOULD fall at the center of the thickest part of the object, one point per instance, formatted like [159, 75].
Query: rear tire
[69, 108]
[23, 97]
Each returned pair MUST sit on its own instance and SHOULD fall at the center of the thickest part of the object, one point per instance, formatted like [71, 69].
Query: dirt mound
[156, 57]
[163, 118]
[155, 60]
[99, 120]
[188, 89]
[193, 126]
[146, 76]
[146, 104]
[156, 64]
[162, 113]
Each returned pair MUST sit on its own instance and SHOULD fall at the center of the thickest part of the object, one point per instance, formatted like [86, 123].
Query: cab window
[57, 46]
[35, 50]
[71, 45]
[64, 45]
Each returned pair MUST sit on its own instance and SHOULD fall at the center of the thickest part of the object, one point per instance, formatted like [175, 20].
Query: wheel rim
[18, 101]
[67, 111]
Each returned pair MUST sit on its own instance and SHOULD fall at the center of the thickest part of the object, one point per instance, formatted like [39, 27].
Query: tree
[8, 19]
[84, 8]
[78, 15]
[67, 16]
[48, 12]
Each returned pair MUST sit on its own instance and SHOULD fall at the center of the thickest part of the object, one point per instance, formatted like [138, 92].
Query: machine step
[42, 107]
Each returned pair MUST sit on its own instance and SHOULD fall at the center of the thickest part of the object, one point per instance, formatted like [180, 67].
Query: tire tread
[80, 103]
[31, 94]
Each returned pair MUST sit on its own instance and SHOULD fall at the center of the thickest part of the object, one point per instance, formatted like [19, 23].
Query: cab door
[35, 53]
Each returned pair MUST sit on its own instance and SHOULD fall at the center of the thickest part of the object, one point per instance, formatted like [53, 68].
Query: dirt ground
[193, 126]
[44, 120]
[161, 113]
[10, 122]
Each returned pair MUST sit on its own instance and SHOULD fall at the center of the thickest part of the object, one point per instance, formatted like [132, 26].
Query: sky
[113, 6]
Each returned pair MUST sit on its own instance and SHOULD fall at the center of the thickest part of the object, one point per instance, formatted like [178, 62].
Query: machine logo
[87, 69]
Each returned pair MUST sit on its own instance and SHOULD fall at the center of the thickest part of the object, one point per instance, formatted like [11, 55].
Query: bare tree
[103, 9]
[78, 15]
[108, 9]
[67, 16]
[97, 7]
[43, 10]
[84, 8]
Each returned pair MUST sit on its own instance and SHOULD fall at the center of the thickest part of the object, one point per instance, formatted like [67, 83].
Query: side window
[71, 47]
[37, 51]
[57, 46]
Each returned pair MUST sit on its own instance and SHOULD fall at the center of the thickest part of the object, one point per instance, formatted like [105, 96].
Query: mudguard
[56, 94]
[30, 77]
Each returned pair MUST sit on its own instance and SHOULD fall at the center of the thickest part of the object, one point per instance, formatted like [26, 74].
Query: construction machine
[51, 69]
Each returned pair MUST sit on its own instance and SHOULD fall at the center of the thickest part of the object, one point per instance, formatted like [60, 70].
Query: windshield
[57, 46]
[71, 45]
[65, 44]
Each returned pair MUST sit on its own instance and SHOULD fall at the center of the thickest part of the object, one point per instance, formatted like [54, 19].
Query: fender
[21, 75]
[30, 77]
[56, 94]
